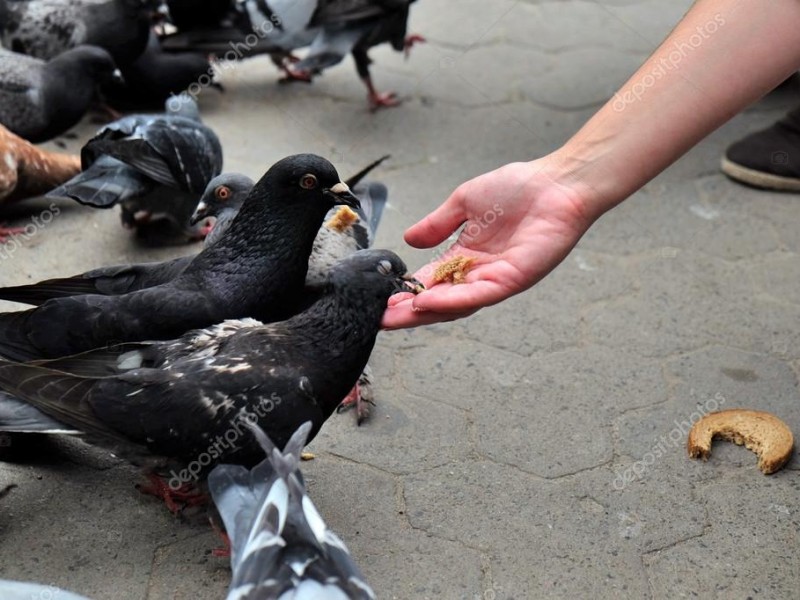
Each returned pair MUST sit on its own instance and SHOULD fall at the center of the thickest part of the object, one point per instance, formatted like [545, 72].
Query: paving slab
[537, 449]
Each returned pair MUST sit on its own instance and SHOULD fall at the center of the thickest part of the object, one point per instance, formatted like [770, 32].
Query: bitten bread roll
[763, 433]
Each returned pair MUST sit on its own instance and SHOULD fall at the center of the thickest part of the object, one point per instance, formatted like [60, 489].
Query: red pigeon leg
[6, 232]
[379, 100]
[412, 39]
[225, 550]
[175, 499]
[360, 398]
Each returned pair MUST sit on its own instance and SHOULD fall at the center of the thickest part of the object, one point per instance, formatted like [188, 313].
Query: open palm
[517, 226]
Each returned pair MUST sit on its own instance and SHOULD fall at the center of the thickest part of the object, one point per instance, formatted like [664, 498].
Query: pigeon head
[223, 193]
[379, 270]
[182, 105]
[305, 178]
[93, 61]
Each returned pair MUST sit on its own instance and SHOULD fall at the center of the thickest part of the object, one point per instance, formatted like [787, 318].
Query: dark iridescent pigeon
[280, 545]
[222, 200]
[257, 270]
[40, 100]
[156, 75]
[180, 399]
[154, 166]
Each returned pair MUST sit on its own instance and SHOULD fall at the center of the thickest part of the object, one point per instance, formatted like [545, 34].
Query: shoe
[768, 159]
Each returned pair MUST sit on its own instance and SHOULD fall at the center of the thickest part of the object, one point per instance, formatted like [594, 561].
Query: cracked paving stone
[683, 301]
[558, 26]
[470, 78]
[362, 506]
[749, 549]
[581, 78]
[464, 23]
[548, 318]
[572, 398]
[186, 569]
[476, 373]
[412, 433]
[98, 539]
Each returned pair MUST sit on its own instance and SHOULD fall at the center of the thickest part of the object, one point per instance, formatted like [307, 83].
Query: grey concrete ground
[536, 449]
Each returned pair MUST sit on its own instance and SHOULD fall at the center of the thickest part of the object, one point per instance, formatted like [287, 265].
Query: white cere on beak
[340, 188]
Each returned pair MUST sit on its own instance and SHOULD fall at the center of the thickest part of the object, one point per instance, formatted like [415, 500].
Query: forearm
[724, 55]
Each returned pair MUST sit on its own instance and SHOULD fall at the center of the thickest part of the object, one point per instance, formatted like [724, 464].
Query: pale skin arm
[721, 57]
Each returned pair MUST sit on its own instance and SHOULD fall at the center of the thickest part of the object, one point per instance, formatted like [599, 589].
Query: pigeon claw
[175, 499]
[292, 75]
[360, 398]
[7, 232]
[384, 100]
[409, 42]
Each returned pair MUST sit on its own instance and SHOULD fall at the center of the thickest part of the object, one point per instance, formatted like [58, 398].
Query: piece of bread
[342, 219]
[763, 433]
[454, 270]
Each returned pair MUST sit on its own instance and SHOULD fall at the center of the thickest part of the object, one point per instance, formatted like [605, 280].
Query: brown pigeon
[27, 171]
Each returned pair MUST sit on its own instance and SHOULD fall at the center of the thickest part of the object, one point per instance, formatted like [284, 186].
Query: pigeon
[18, 590]
[331, 29]
[257, 270]
[281, 546]
[154, 166]
[222, 200]
[27, 171]
[46, 28]
[40, 100]
[156, 76]
[187, 399]
[123, 279]
[353, 27]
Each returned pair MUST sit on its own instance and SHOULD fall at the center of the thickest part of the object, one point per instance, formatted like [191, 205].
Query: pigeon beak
[414, 285]
[116, 77]
[342, 195]
[200, 213]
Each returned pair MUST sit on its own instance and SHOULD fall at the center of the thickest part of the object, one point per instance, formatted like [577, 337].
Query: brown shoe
[768, 159]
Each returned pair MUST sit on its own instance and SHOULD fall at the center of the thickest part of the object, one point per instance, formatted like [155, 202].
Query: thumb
[439, 225]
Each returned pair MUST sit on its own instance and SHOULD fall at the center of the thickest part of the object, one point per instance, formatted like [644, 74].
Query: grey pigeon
[257, 269]
[122, 279]
[154, 166]
[40, 100]
[281, 546]
[18, 590]
[331, 29]
[222, 200]
[187, 399]
[46, 28]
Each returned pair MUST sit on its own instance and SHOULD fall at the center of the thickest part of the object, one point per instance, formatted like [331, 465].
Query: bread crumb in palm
[342, 220]
[454, 270]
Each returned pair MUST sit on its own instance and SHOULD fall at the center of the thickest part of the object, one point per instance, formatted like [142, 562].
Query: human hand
[518, 225]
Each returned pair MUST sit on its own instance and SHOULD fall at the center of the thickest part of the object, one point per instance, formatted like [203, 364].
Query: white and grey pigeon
[331, 29]
[40, 100]
[22, 590]
[280, 544]
[154, 166]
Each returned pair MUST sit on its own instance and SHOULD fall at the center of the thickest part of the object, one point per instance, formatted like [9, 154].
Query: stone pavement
[536, 449]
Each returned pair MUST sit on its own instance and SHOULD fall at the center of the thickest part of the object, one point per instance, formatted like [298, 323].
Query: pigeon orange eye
[222, 193]
[308, 182]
